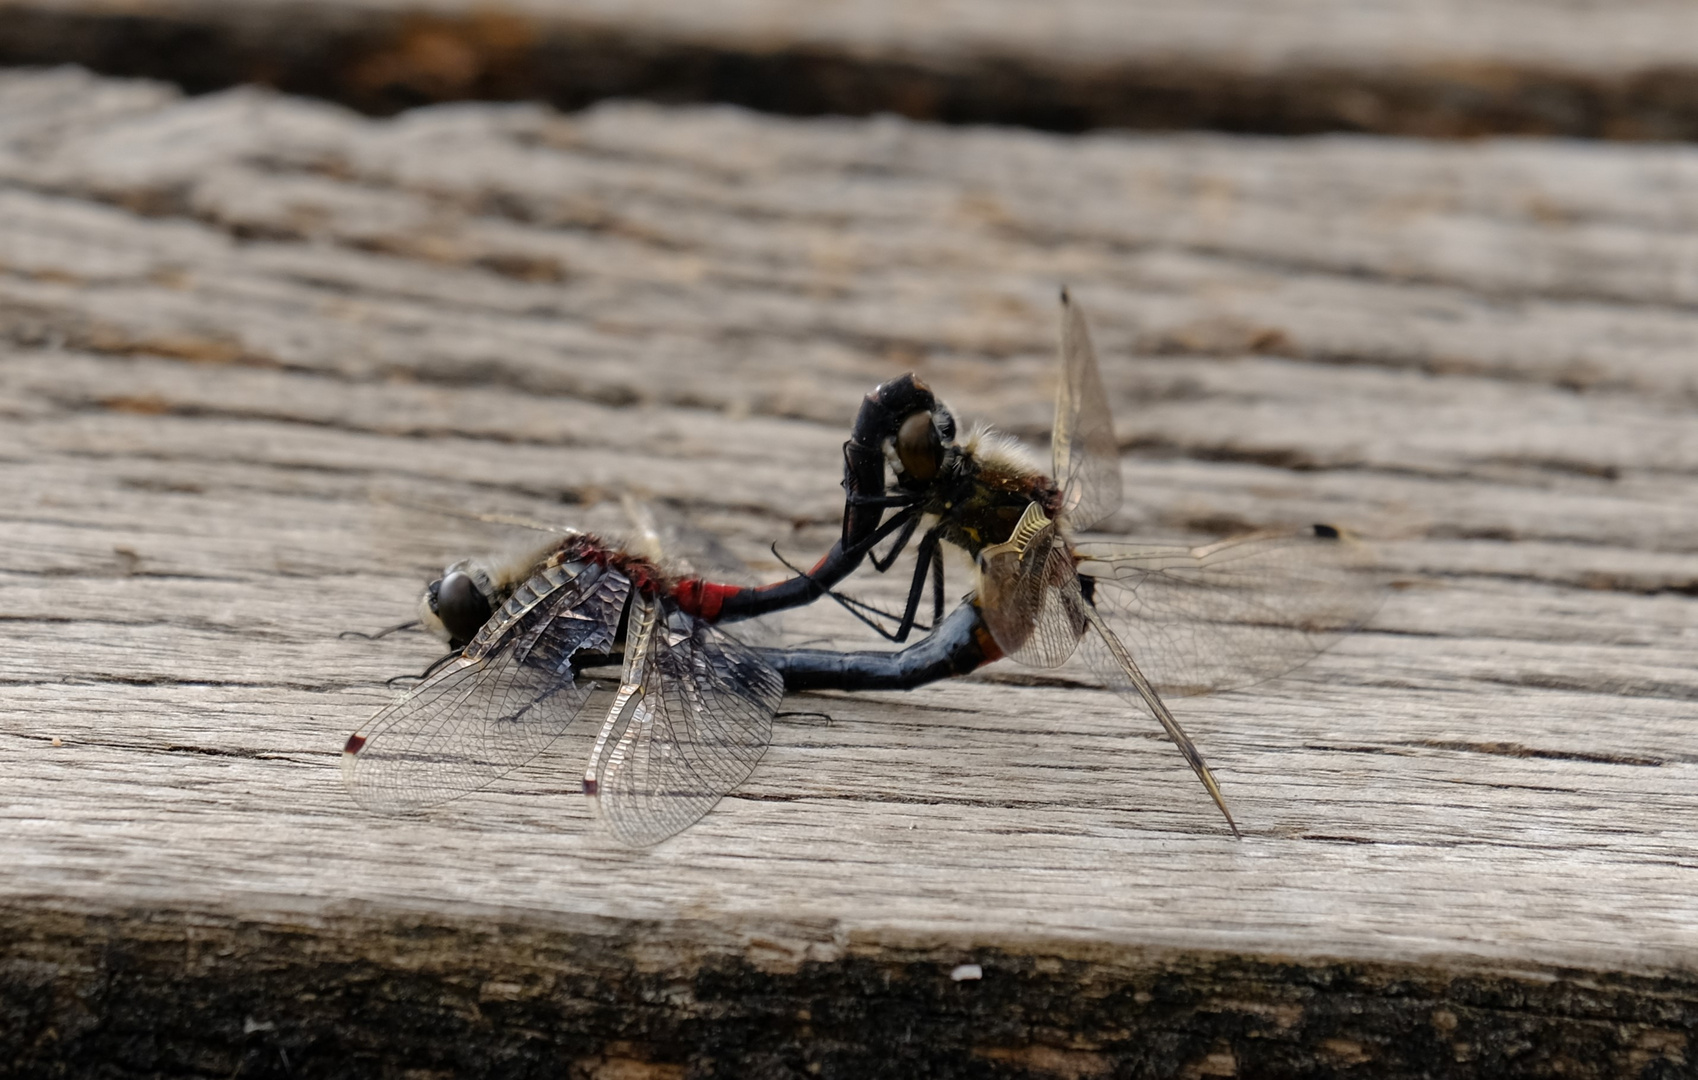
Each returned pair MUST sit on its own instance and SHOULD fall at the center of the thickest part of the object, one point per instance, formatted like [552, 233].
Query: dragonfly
[691, 716]
[1186, 619]
[694, 704]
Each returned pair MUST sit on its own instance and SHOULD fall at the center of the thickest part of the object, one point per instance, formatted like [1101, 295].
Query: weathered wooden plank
[1437, 67]
[248, 340]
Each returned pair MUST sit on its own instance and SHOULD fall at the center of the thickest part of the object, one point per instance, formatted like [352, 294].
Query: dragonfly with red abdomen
[691, 717]
[694, 708]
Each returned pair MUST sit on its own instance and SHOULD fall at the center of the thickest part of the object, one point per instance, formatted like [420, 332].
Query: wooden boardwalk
[245, 338]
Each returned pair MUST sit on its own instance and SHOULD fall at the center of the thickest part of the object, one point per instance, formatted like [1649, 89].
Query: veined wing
[1233, 613]
[1029, 587]
[1028, 593]
[691, 721]
[1085, 457]
[1107, 657]
[667, 536]
[498, 704]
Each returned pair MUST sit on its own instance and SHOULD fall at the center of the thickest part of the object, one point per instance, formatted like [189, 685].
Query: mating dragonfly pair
[694, 706]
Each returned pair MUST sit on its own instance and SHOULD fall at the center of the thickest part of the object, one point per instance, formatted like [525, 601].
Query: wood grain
[246, 338]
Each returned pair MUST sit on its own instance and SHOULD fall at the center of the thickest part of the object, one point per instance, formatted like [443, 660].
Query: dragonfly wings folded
[1028, 593]
[505, 699]
[692, 718]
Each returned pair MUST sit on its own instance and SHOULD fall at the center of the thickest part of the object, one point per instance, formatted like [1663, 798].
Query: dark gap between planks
[384, 62]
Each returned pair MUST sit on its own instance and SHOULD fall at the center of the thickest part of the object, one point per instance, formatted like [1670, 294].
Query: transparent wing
[696, 720]
[1085, 456]
[499, 704]
[1028, 593]
[1108, 659]
[666, 535]
[1233, 613]
[1039, 595]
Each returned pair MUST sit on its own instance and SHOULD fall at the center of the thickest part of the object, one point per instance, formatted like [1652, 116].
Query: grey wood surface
[246, 342]
[1623, 70]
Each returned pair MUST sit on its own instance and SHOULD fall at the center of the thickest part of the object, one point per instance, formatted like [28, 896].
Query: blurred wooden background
[1624, 70]
[245, 337]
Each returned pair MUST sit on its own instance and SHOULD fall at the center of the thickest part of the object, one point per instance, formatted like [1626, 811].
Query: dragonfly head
[923, 445]
[457, 604]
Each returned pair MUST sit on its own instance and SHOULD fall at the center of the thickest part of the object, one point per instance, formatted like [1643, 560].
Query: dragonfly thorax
[979, 498]
[456, 605]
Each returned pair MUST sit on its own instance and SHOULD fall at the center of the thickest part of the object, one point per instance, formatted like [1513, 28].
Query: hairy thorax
[981, 501]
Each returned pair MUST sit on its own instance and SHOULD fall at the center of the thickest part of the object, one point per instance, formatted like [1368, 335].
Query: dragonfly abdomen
[958, 645]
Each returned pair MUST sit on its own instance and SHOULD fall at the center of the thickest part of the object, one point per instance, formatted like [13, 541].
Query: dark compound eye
[919, 447]
[461, 607]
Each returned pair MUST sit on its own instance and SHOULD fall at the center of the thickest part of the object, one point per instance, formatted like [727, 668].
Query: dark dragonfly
[691, 717]
[694, 707]
[1187, 620]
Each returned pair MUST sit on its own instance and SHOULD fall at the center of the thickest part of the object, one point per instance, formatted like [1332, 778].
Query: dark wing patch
[499, 704]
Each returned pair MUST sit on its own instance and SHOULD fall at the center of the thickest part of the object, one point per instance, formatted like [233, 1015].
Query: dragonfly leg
[928, 559]
[435, 665]
[937, 590]
[881, 564]
[900, 498]
[380, 634]
[882, 415]
[857, 608]
[925, 558]
[805, 588]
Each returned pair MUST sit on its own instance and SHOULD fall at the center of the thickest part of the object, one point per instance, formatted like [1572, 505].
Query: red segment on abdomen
[703, 599]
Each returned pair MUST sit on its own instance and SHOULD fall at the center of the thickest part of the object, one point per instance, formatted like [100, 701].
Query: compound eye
[919, 447]
[461, 607]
